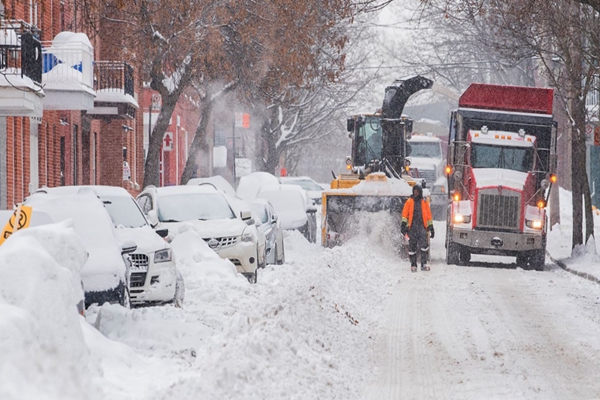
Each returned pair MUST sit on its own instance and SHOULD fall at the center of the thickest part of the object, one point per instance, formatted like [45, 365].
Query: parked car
[270, 226]
[313, 189]
[154, 277]
[105, 275]
[217, 181]
[293, 207]
[231, 235]
[249, 185]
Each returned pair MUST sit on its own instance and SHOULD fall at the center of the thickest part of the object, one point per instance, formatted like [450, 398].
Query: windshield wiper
[170, 220]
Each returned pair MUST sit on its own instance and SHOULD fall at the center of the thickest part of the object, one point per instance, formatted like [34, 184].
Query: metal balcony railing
[113, 76]
[20, 52]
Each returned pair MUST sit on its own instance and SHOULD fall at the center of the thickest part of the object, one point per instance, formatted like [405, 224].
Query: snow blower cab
[377, 177]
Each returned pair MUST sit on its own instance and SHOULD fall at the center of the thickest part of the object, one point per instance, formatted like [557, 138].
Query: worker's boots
[424, 267]
[413, 262]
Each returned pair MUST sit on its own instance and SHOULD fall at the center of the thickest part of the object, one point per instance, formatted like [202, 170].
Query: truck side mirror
[350, 124]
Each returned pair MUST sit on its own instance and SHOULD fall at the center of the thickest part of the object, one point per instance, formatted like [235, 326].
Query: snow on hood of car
[146, 238]
[499, 177]
[43, 351]
[208, 229]
[105, 266]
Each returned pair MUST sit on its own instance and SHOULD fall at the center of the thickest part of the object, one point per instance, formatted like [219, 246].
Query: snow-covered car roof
[289, 205]
[218, 181]
[100, 190]
[182, 189]
[249, 185]
[286, 187]
[105, 266]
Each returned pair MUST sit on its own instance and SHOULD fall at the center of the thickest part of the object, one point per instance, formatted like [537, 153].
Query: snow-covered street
[346, 323]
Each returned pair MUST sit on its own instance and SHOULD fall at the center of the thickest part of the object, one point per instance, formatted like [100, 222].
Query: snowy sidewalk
[583, 260]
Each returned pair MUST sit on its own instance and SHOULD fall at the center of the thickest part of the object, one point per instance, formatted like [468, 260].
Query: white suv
[154, 277]
[212, 217]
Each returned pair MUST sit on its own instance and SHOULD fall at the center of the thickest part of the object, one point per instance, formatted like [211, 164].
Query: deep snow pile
[43, 354]
[299, 333]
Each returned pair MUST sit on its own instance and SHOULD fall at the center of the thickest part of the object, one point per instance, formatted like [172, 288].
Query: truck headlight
[161, 256]
[533, 223]
[462, 219]
[247, 237]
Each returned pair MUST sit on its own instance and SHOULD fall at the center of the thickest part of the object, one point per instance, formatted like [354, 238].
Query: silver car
[268, 223]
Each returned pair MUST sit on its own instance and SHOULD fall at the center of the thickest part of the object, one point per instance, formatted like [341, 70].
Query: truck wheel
[538, 259]
[452, 254]
[465, 256]
[522, 260]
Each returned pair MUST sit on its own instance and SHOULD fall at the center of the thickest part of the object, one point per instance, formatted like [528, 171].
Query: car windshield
[261, 211]
[514, 158]
[425, 149]
[124, 211]
[306, 184]
[191, 206]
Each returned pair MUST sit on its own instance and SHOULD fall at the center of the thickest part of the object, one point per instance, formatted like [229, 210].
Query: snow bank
[43, 354]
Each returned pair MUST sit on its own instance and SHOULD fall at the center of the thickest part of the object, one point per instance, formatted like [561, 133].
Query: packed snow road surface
[489, 332]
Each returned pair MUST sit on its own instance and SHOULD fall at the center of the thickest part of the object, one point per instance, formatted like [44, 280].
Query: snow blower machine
[378, 178]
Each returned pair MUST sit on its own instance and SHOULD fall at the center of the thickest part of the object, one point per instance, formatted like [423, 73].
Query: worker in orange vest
[417, 222]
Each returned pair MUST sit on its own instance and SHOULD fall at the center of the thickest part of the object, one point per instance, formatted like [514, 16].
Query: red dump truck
[501, 165]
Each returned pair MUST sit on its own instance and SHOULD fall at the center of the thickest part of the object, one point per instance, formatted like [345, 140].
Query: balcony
[114, 87]
[21, 93]
[68, 74]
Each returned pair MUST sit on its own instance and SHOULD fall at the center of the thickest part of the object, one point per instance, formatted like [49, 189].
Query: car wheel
[179, 290]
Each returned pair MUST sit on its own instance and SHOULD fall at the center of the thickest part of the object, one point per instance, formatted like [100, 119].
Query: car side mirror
[311, 210]
[274, 218]
[163, 233]
[245, 215]
[129, 246]
[153, 218]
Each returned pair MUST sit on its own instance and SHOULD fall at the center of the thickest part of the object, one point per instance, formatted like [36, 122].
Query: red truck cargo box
[508, 98]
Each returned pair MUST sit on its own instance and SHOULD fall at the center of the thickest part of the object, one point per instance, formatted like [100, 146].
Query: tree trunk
[152, 165]
[199, 143]
[270, 134]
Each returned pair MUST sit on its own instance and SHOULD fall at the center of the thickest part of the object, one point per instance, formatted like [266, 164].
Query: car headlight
[161, 256]
[533, 223]
[247, 236]
[462, 219]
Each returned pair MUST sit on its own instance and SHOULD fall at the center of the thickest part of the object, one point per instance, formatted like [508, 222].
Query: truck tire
[465, 256]
[538, 259]
[452, 253]
[522, 260]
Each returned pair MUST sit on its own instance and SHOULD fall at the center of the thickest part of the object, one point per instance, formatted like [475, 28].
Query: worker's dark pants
[417, 236]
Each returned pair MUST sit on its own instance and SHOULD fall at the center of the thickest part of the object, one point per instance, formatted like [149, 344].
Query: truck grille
[495, 210]
[428, 175]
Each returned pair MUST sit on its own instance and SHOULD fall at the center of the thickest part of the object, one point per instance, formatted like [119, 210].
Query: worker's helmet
[419, 189]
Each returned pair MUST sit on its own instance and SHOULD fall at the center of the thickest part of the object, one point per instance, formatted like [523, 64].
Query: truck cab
[426, 156]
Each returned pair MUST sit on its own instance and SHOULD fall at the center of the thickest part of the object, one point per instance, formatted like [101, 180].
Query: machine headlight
[462, 219]
[161, 256]
[533, 223]
[247, 237]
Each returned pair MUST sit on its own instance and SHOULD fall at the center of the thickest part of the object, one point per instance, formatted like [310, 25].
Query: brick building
[68, 103]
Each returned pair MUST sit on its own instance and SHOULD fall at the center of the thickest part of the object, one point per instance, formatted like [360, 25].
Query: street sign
[242, 120]
[168, 141]
[24, 213]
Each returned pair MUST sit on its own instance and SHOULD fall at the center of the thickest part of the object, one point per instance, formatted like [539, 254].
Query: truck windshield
[425, 149]
[488, 156]
[369, 142]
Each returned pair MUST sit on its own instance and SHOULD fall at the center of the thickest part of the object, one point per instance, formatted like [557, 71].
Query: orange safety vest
[409, 209]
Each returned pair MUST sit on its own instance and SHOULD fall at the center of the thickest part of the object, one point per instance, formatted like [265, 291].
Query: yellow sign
[13, 225]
